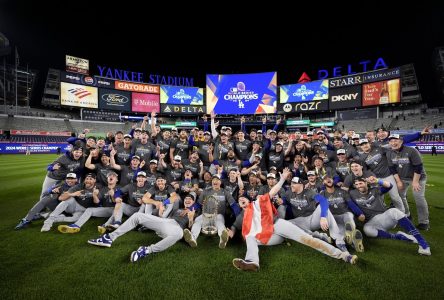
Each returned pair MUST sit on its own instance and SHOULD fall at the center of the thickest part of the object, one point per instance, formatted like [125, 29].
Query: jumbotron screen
[180, 95]
[302, 92]
[242, 93]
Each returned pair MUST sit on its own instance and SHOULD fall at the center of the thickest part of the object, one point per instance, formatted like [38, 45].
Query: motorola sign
[346, 97]
[310, 106]
[287, 107]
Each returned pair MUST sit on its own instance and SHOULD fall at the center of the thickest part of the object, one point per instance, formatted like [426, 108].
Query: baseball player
[158, 196]
[379, 219]
[357, 171]
[278, 198]
[375, 158]
[272, 230]
[339, 205]
[170, 229]
[105, 196]
[407, 163]
[133, 193]
[75, 201]
[308, 215]
[222, 197]
[71, 162]
[49, 200]
[101, 168]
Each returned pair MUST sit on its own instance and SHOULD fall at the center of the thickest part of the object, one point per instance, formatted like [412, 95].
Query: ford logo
[114, 99]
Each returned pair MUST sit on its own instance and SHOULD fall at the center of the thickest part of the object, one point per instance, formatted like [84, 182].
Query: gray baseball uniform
[284, 229]
[407, 161]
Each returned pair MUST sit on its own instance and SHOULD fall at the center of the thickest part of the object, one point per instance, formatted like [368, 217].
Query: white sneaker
[348, 258]
[46, 227]
[424, 251]
[349, 233]
[223, 239]
[245, 265]
[357, 241]
[189, 238]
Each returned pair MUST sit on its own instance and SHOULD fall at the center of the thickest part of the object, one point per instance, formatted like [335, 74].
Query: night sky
[227, 38]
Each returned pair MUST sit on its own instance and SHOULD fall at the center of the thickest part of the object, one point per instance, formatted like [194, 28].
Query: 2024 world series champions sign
[242, 93]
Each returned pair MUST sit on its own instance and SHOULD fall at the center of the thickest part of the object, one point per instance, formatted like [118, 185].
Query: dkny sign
[346, 97]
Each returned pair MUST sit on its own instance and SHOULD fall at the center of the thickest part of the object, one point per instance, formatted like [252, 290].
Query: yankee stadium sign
[142, 77]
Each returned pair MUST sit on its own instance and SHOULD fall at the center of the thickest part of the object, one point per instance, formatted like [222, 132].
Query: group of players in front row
[174, 211]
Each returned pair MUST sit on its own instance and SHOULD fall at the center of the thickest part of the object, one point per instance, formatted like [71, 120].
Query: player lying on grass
[169, 229]
[261, 226]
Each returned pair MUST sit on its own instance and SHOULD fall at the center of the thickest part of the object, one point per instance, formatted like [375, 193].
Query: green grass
[35, 265]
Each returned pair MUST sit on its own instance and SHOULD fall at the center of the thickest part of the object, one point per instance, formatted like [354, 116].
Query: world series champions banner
[180, 95]
[242, 93]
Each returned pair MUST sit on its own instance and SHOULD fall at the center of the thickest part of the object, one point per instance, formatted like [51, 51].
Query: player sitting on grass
[379, 219]
[170, 229]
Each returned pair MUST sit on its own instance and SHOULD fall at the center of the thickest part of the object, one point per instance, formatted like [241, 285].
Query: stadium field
[51, 265]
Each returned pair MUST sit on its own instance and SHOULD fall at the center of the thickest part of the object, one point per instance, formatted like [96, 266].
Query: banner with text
[97, 115]
[345, 97]
[86, 79]
[426, 147]
[137, 87]
[242, 93]
[182, 109]
[114, 100]
[382, 92]
[303, 92]
[345, 81]
[382, 75]
[44, 133]
[178, 95]
[78, 95]
[16, 148]
[145, 102]
[77, 64]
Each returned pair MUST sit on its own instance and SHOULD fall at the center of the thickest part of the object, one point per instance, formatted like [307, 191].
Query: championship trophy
[209, 213]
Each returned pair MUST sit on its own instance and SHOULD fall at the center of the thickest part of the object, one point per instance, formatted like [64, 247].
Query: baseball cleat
[357, 241]
[406, 237]
[46, 227]
[322, 236]
[103, 241]
[141, 252]
[245, 265]
[101, 229]
[22, 224]
[423, 226]
[189, 238]
[72, 228]
[351, 259]
[348, 233]
[424, 251]
[223, 239]
[113, 226]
